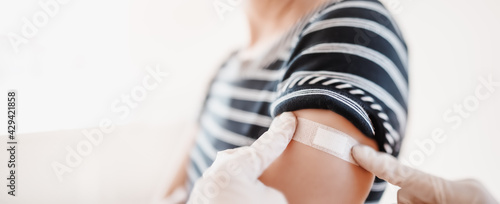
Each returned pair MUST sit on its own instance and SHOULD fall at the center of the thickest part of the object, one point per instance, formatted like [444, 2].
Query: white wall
[453, 44]
[90, 53]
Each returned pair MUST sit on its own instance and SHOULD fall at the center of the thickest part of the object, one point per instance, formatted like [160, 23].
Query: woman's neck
[268, 19]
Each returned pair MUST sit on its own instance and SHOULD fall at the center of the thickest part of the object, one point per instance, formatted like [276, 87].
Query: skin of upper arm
[307, 175]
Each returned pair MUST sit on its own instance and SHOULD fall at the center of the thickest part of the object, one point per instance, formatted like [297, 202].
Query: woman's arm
[180, 177]
[308, 175]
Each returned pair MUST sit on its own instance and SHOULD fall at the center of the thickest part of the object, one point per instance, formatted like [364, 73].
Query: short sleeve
[350, 58]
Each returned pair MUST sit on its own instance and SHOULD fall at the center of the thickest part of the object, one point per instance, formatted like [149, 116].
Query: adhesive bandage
[326, 139]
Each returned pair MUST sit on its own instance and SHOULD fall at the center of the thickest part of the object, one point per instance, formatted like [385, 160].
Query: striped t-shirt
[348, 57]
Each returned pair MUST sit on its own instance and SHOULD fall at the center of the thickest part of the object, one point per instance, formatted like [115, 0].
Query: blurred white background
[91, 54]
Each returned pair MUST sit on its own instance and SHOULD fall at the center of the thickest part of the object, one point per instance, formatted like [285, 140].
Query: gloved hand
[417, 186]
[233, 177]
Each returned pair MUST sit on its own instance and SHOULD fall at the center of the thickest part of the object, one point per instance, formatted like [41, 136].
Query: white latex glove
[417, 186]
[233, 177]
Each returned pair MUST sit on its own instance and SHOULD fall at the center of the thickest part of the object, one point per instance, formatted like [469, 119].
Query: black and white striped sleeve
[351, 59]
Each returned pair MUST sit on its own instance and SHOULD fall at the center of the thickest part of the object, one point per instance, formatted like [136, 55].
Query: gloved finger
[405, 197]
[254, 159]
[270, 195]
[382, 165]
[272, 143]
[472, 190]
